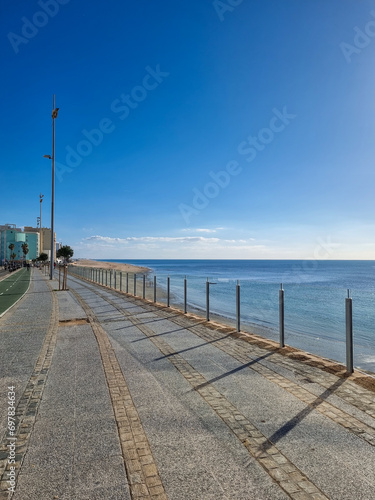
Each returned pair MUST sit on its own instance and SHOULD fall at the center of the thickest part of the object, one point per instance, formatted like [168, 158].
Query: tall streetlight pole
[41, 196]
[54, 116]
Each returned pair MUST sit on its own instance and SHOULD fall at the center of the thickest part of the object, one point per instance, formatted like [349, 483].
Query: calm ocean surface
[315, 294]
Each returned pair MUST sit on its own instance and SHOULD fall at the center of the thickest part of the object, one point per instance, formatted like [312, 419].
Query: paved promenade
[115, 398]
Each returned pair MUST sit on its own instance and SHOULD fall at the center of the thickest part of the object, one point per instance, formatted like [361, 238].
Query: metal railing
[117, 279]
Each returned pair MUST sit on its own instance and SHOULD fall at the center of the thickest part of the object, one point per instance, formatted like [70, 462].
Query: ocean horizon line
[221, 259]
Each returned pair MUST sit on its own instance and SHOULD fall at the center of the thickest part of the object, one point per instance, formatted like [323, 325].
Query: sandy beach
[126, 268]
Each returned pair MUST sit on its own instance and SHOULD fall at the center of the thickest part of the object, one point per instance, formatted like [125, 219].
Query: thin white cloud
[203, 230]
[151, 239]
[133, 247]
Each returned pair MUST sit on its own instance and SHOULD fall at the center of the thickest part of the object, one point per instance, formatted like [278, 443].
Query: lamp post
[54, 116]
[41, 196]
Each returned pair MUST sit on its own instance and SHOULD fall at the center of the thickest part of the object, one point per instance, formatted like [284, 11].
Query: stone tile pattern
[244, 353]
[27, 407]
[277, 465]
[142, 472]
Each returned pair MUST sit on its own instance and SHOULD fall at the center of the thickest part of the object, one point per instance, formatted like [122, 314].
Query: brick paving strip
[244, 354]
[247, 353]
[28, 404]
[142, 472]
[274, 462]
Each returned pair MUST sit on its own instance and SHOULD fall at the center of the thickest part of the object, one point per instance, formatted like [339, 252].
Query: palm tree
[11, 247]
[25, 249]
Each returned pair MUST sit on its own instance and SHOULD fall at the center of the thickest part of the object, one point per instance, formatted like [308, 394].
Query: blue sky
[200, 129]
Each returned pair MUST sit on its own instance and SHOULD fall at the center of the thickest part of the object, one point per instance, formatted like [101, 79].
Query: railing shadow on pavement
[231, 372]
[293, 422]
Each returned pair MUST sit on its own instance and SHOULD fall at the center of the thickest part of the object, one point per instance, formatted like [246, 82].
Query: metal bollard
[135, 284]
[207, 300]
[155, 288]
[281, 316]
[238, 312]
[144, 286]
[168, 290]
[349, 333]
[185, 295]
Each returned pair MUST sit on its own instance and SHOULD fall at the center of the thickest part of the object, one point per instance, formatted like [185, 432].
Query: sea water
[315, 293]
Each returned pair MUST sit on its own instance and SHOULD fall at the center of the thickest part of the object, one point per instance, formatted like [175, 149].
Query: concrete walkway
[117, 399]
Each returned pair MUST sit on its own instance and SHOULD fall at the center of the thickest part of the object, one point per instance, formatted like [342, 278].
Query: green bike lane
[13, 288]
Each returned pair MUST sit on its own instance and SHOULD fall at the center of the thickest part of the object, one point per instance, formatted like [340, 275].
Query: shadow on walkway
[293, 422]
[235, 370]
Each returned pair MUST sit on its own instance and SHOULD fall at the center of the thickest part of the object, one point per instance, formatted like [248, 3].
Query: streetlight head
[47, 156]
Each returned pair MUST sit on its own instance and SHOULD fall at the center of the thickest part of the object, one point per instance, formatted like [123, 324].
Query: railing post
[127, 282]
[110, 278]
[155, 288]
[114, 279]
[106, 277]
[144, 286]
[135, 284]
[207, 300]
[281, 316]
[238, 312]
[349, 333]
[168, 290]
[185, 295]
[120, 281]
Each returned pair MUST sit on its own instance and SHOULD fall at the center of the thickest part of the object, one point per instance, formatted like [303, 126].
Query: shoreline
[221, 320]
[314, 338]
[126, 268]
